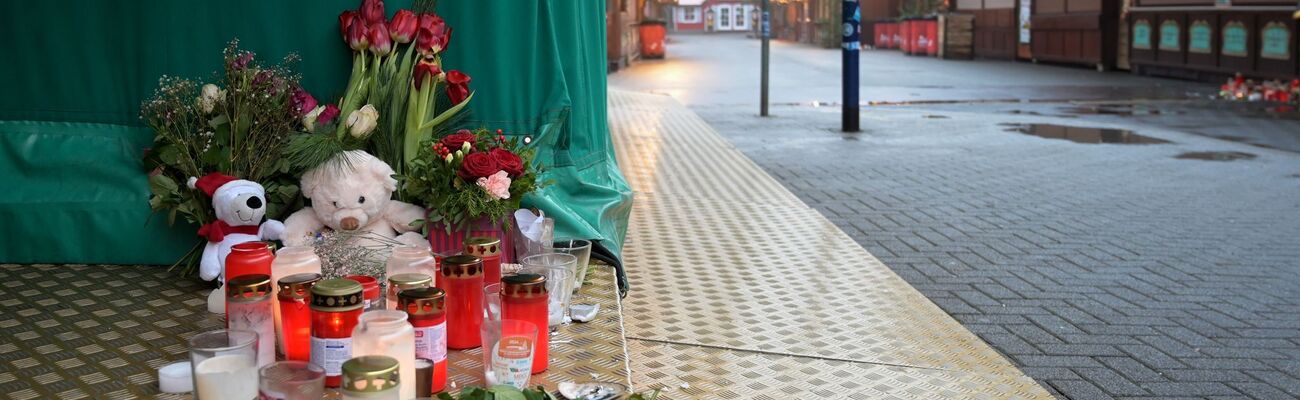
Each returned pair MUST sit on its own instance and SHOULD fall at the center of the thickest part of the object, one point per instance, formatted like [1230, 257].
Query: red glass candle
[370, 291]
[426, 310]
[295, 315]
[463, 275]
[489, 250]
[335, 308]
[524, 298]
[248, 258]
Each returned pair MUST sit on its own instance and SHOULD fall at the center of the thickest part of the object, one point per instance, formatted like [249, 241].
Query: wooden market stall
[995, 28]
[1075, 31]
[1209, 39]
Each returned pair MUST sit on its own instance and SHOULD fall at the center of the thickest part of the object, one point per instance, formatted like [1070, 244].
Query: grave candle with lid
[398, 283]
[487, 249]
[463, 275]
[371, 378]
[290, 261]
[335, 308]
[249, 308]
[295, 315]
[426, 308]
[524, 297]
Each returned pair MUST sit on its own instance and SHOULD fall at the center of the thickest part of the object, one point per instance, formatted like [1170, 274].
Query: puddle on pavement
[1080, 134]
[1215, 156]
[1124, 110]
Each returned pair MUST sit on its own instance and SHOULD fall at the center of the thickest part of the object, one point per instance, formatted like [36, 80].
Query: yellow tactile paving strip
[742, 291]
[101, 331]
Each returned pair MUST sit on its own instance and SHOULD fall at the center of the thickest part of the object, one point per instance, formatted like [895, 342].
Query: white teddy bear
[353, 192]
[240, 205]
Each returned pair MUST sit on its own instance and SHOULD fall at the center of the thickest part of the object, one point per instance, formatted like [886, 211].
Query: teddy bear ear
[384, 173]
[309, 182]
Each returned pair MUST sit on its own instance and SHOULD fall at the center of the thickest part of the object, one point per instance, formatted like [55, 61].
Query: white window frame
[689, 15]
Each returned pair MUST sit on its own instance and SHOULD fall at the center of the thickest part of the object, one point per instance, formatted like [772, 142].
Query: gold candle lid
[409, 281]
[370, 374]
[462, 266]
[422, 301]
[248, 288]
[482, 246]
[336, 295]
[298, 286]
[523, 285]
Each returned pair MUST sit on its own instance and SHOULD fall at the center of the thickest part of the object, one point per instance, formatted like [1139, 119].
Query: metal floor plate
[739, 279]
[101, 331]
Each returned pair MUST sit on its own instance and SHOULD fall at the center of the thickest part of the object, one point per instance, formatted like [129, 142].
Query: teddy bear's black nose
[254, 203]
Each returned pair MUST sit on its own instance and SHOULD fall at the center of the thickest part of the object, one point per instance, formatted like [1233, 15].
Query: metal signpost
[766, 35]
[851, 18]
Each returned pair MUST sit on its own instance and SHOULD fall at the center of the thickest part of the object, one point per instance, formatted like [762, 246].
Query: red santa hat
[215, 182]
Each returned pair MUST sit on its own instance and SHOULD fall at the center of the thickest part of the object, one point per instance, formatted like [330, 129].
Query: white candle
[227, 377]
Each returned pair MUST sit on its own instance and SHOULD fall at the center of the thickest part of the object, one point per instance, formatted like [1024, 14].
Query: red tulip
[457, 86]
[432, 36]
[403, 26]
[357, 31]
[345, 20]
[380, 43]
[424, 69]
[373, 10]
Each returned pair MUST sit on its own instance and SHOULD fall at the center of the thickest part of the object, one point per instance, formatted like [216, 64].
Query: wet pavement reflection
[1080, 134]
[1215, 156]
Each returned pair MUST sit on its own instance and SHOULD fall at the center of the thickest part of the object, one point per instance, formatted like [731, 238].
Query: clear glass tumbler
[410, 259]
[292, 380]
[224, 365]
[492, 302]
[508, 352]
[558, 270]
[580, 248]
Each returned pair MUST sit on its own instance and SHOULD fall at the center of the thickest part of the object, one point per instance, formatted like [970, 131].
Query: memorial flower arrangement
[1242, 89]
[397, 95]
[237, 125]
[469, 175]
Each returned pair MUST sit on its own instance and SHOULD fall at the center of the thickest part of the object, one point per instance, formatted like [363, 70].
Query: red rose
[477, 165]
[508, 161]
[456, 140]
[457, 86]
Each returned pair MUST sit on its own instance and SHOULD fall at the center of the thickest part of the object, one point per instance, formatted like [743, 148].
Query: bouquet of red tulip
[469, 175]
[391, 102]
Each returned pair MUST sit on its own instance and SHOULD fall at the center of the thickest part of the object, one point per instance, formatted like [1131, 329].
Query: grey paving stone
[1121, 258]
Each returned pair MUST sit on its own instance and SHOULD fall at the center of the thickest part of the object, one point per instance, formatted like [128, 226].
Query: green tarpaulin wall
[75, 72]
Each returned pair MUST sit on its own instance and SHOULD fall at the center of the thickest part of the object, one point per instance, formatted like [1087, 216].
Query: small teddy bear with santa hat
[240, 206]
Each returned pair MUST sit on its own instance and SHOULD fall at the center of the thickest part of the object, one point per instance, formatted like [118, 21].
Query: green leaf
[507, 392]
[218, 121]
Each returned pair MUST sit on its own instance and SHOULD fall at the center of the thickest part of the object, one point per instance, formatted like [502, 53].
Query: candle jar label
[330, 354]
[512, 361]
[431, 342]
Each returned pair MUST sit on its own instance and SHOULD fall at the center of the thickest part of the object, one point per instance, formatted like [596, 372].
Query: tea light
[232, 377]
[175, 378]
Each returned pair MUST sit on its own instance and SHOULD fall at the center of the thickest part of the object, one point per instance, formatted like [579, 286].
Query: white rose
[362, 122]
[309, 120]
[211, 94]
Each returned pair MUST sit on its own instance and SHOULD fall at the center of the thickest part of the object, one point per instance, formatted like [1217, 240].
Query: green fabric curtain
[77, 70]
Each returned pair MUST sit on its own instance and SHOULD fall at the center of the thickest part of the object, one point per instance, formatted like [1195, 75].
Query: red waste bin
[652, 39]
[905, 36]
[897, 33]
[877, 32]
[932, 33]
[887, 35]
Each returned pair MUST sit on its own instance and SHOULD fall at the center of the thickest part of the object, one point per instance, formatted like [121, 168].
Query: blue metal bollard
[850, 44]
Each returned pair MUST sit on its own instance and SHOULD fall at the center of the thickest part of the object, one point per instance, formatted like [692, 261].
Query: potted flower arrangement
[471, 181]
[236, 126]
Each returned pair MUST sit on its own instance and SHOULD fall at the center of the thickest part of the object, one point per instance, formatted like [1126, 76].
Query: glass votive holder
[508, 352]
[224, 365]
[580, 248]
[558, 270]
[292, 380]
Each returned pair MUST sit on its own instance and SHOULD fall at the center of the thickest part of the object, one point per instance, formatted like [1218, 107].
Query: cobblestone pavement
[1102, 270]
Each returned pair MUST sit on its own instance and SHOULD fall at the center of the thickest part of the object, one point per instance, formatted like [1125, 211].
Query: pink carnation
[497, 185]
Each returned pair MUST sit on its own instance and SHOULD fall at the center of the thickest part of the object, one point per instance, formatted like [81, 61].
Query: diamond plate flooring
[101, 331]
[744, 291]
